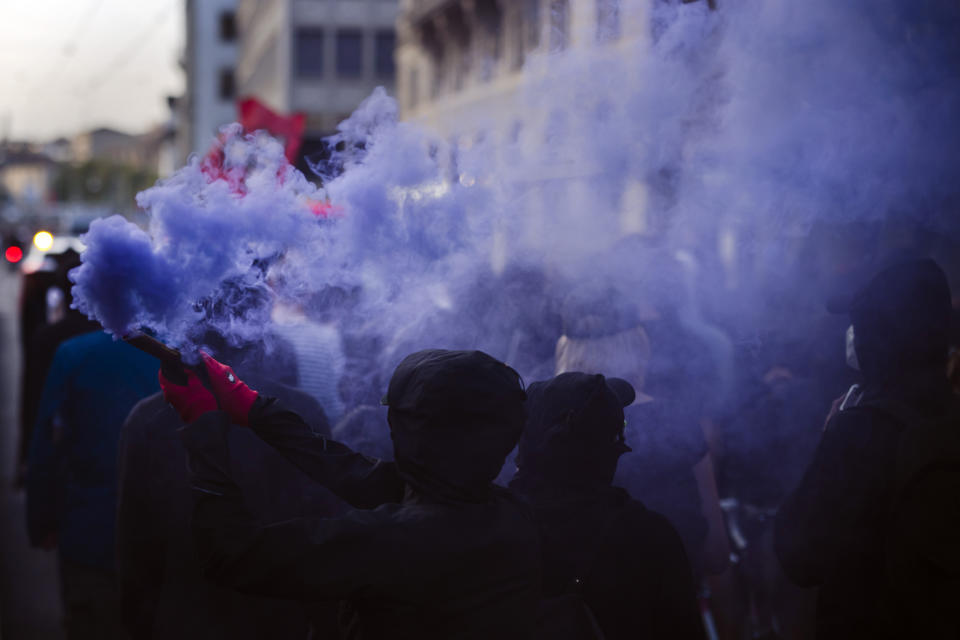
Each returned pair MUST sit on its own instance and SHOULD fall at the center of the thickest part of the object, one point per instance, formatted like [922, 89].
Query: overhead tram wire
[68, 50]
[129, 52]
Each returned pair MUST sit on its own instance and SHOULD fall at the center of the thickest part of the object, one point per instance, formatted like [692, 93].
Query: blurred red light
[13, 254]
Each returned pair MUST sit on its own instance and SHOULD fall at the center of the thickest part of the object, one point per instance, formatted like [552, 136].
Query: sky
[67, 66]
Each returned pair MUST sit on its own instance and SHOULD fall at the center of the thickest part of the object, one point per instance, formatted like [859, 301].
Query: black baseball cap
[589, 404]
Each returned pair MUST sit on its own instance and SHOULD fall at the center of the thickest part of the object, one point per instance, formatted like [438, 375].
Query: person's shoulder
[860, 421]
[150, 414]
[639, 521]
[81, 345]
[73, 352]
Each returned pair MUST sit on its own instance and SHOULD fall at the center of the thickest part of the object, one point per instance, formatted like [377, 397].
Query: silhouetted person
[600, 547]
[93, 383]
[40, 348]
[874, 520]
[670, 468]
[434, 549]
[162, 592]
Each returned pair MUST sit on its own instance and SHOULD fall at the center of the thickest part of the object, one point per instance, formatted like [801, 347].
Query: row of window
[608, 21]
[309, 60]
[526, 37]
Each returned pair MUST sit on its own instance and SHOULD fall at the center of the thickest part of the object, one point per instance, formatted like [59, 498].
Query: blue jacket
[93, 383]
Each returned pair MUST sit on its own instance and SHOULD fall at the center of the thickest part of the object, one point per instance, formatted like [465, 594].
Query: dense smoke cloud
[756, 120]
[203, 233]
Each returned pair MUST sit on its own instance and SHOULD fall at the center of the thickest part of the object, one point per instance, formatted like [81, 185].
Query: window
[559, 24]
[227, 85]
[228, 26]
[349, 53]
[309, 53]
[608, 20]
[386, 42]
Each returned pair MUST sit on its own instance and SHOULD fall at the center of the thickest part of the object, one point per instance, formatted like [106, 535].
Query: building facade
[458, 58]
[108, 145]
[209, 61]
[319, 57]
[26, 173]
[470, 70]
[548, 88]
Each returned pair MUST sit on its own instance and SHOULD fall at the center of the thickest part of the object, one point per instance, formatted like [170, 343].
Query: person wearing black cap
[874, 520]
[607, 560]
[671, 467]
[433, 548]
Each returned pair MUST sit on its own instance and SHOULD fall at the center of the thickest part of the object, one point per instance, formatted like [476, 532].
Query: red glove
[231, 393]
[191, 400]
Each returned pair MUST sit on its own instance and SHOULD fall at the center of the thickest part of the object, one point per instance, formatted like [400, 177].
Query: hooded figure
[433, 548]
[602, 551]
[874, 520]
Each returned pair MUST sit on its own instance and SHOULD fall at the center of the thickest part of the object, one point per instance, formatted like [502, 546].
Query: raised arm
[302, 558]
[361, 481]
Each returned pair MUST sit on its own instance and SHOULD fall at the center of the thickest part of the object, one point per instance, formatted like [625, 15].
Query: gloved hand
[231, 393]
[191, 400]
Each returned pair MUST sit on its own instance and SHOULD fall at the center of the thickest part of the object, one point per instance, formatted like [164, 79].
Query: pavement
[29, 587]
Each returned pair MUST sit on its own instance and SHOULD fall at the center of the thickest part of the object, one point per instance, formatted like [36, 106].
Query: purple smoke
[748, 124]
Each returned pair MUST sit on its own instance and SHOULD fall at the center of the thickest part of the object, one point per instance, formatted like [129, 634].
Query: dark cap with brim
[579, 399]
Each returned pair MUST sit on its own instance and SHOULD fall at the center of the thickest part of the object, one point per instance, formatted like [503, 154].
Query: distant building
[108, 145]
[209, 61]
[319, 57]
[464, 70]
[461, 58]
[26, 173]
[472, 71]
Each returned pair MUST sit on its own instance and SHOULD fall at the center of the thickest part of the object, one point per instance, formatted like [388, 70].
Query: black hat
[583, 401]
[901, 318]
[898, 286]
[574, 429]
[435, 380]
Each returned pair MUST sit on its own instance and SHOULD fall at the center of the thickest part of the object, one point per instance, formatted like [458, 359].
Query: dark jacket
[626, 563]
[162, 592]
[412, 562]
[37, 358]
[639, 584]
[93, 383]
[834, 531]
[843, 524]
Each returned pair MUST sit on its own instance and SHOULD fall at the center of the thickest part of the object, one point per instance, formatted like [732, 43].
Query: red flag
[254, 115]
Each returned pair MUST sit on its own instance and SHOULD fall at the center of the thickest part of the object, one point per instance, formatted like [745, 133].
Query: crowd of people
[650, 475]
